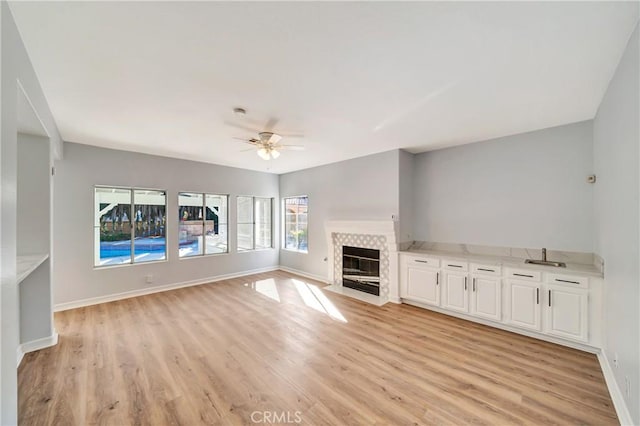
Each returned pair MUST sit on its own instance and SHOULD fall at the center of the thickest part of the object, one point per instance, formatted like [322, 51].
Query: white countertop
[508, 262]
[27, 264]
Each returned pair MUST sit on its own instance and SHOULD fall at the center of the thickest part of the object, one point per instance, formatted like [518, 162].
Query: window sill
[255, 250]
[201, 256]
[122, 265]
[295, 251]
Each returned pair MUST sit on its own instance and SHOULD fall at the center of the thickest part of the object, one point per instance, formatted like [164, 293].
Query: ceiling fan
[269, 146]
[268, 143]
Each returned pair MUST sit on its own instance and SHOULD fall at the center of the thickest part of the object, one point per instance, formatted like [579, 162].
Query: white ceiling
[355, 78]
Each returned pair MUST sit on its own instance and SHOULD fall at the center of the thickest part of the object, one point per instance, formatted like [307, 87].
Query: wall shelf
[29, 263]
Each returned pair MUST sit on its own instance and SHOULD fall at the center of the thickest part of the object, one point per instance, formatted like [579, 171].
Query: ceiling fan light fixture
[275, 154]
[263, 153]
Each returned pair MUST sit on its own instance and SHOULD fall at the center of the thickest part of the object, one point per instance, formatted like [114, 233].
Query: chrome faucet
[544, 261]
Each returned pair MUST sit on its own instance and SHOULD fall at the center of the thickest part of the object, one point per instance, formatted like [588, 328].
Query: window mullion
[131, 227]
[298, 227]
[204, 221]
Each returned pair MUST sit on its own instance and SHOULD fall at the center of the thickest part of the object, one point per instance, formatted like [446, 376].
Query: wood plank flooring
[274, 348]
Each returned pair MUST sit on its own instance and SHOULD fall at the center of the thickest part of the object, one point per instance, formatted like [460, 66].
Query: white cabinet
[455, 291]
[486, 297]
[422, 285]
[566, 312]
[524, 304]
[554, 305]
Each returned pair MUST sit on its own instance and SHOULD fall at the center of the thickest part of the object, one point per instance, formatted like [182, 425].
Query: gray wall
[617, 215]
[34, 230]
[362, 188]
[527, 190]
[85, 166]
[406, 194]
[33, 195]
[14, 67]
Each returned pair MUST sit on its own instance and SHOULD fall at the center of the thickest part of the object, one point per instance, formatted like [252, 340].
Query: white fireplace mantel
[386, 228]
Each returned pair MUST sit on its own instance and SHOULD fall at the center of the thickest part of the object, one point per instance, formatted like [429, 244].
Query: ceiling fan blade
[271, 124]
[240, 126]
[291, 135]
[274, 138]
[247, 150]
[248, 141]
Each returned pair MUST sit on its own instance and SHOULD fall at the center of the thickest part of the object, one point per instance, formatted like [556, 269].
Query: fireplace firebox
[361, 269]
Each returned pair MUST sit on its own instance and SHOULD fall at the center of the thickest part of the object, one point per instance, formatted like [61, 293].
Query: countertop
[508, 262]
[27, 264]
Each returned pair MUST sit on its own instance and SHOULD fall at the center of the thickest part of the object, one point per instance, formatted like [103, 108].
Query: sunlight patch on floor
[314, 298]
[266, 288]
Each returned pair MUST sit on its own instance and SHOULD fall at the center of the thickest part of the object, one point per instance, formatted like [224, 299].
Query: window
[203, 224]
[254, 223]
[130, 226]
[295, 223]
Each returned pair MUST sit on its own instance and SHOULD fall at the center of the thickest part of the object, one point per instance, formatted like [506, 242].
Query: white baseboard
[304, 274]
[36, 345]
[158, 289]
[624, 416]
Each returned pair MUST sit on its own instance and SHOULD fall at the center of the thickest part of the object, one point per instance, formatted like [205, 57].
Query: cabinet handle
[523, 275]
[567, 281]
[437, 278]
[455, 266]
[420, 261]
[465, 283]
[474, 284]
[549, 297]
[537, 296]
[486, 270]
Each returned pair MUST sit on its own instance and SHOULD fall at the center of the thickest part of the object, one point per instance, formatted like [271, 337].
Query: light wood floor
[275, 343]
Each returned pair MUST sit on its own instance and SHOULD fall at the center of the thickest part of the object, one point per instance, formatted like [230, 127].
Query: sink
[546, 263]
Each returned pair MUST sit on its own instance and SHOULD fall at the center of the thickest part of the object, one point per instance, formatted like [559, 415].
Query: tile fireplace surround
[371, 234]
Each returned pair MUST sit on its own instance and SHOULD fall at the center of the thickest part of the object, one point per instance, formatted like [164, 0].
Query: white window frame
[204, 223]
[96, 244]
[284, 224]
[254, 223]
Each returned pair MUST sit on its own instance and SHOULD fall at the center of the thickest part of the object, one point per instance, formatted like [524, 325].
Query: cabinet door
[455, 292]
[423, 285]
[524, 304]
[566, 313]
[486, 297]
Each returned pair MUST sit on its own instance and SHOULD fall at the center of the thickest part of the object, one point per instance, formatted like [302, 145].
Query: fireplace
[370, 234]
[361, 269]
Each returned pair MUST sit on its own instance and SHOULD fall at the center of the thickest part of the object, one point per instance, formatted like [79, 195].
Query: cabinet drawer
[422, 261]
[567, 280]
[524, 275]
[455, 265]
[492, 270]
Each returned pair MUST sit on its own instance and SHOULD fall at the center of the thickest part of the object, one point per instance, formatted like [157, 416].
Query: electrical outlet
[149, 279]
[627, 387]
[615, 359]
